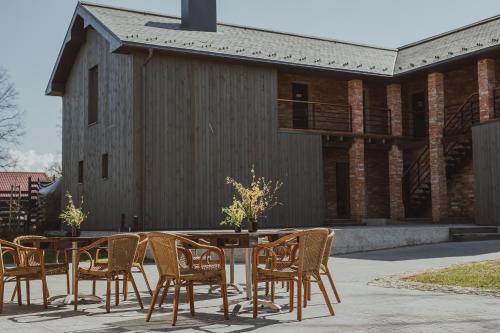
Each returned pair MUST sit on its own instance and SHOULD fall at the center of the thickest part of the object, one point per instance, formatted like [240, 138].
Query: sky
[32, 31]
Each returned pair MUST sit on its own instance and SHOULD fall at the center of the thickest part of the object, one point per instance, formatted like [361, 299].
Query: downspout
[142, 132]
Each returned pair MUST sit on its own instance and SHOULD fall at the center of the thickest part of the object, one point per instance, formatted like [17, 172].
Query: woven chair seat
[96, 270]
[55, 269]
[17, 271]
[280, 270]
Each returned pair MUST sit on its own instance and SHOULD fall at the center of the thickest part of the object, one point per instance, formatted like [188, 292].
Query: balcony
[331, 118]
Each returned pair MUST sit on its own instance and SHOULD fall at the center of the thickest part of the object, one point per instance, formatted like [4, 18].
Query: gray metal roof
[130, 28]
[243, 42]
[473, 38]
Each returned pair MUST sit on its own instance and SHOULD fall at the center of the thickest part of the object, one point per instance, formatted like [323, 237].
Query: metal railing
[462, 120]
[377, 120]
[314, 115]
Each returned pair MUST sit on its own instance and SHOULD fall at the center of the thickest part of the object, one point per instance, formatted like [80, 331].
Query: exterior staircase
[457, 145]
[474, 234]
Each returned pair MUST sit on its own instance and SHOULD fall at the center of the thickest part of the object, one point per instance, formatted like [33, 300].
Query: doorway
[418, 113]
[300, 93]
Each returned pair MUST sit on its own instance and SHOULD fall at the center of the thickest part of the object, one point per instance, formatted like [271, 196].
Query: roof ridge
[450, 32]
[326, 39]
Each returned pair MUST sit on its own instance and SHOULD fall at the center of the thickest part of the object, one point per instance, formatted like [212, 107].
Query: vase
[252, 225]
[237, 228]
[75, 232]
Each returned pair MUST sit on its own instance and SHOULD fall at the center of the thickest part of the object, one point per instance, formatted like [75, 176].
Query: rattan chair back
[165, 252]
[311, 249]
[140, 254]
[121, 252]
[328, 247]
[30, 241]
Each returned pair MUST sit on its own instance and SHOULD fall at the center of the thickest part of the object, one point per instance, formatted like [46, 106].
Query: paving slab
[364, 308]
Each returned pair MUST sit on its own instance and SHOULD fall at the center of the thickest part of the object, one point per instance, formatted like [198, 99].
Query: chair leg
[117, 291]
[14, 294]
[75, 292]
[309, 294]
[68, 283]
[18, 286]
[300, 283]
[155, 296]
[125, 287]
[255, 295]
[45, 293]
[164, 294]
[267, 289]
[223, 288]
[290, 289]
[191, 298]
[137, 295]
[332, 283]
[1, 294]
[146, 279]
[273, 291]
[325, 294]
[28, 301]
[108, 294]
[93, 287]
[177, 289]
[305, 293]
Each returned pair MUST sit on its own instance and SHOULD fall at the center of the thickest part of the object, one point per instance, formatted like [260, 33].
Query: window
[104, 166]
[93, 97]
[80, 172]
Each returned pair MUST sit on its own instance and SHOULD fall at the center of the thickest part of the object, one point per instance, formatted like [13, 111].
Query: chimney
[199, 15]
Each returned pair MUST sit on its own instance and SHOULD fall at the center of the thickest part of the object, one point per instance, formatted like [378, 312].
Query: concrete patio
[364, 308]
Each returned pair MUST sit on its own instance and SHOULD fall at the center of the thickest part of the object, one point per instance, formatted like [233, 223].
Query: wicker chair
[174, 261]
[324, 264]
[59, 267]
[29, 264]
[121, 252]
[303, 264]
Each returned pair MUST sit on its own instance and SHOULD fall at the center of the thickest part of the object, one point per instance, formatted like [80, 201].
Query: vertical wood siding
[105, 200]
[486, 162]
[207, 120]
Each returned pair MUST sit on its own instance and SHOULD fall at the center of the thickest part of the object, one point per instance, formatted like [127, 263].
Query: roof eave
[75, 37]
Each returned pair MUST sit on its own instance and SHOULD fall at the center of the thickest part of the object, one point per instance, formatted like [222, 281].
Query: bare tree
[11, 126]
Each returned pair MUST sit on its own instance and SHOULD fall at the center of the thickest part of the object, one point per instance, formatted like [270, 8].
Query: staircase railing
[463, 119]
[418, 173]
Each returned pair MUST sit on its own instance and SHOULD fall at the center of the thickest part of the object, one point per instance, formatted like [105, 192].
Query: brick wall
[330, 157]
[458, 86]
[461, 192]
[321, 89]
[377, 183]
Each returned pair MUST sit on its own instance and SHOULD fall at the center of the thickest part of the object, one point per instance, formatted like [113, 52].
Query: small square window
[80, 172]
[104, 166]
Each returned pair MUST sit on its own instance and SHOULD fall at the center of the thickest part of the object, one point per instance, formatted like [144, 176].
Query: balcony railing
[377, 120]
[314, 115]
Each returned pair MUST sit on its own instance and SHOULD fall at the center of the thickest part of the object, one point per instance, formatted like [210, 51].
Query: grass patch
[481, 275]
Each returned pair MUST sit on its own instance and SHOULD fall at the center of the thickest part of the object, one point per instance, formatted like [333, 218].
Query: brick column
[439, 195]
[486, 84]
[395, 155]
[357, 152]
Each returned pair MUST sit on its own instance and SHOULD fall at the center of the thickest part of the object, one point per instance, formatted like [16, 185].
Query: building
[158, 110]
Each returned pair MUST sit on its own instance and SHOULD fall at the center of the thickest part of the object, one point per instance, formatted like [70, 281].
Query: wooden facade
[486, 138]
[174, 129]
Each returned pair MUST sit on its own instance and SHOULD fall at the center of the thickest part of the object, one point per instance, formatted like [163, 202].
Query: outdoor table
[60, 244]
[245, 240]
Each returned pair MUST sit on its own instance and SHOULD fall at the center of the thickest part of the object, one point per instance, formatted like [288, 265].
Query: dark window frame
[93, 96]
[105, 166]
[80, 172]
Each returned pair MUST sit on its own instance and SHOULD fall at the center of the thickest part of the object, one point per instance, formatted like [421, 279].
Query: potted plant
[255, 200]
[234, 215]
[73, 216]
